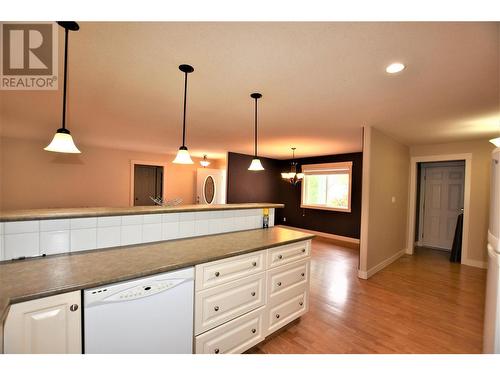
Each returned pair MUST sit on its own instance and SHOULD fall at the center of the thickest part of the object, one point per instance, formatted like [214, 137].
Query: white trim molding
[475, 263]
[372, 271]
[323, 234]
[365, 203]
[413, 201]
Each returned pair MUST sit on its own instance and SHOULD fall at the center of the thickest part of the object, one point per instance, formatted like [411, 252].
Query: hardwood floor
[419, 304]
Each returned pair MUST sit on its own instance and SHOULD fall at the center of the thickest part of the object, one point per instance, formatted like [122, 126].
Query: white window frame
[326, 168]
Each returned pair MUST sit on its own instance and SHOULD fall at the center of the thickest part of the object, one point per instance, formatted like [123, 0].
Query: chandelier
[293, 177]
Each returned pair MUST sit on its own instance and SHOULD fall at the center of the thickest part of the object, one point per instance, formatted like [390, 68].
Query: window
[327, 186]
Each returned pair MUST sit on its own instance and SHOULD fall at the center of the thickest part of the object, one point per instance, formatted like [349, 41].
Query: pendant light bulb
[255, 165]
[63, 141]
[183, 156]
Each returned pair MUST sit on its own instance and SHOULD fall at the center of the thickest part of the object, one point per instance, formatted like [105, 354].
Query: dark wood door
[148, 182]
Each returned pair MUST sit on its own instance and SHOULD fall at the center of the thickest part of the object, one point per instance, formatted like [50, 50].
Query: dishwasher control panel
[136, 289]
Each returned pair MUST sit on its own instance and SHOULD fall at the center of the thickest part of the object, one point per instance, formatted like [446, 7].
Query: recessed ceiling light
[395, 68]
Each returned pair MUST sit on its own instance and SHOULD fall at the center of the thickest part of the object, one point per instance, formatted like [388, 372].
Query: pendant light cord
[184, 118]
[256, 128]
[65, 76]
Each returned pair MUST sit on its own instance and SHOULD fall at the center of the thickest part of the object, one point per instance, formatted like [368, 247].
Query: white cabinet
[45, 325]
[220, 304]
[241, 300]
[235, 336]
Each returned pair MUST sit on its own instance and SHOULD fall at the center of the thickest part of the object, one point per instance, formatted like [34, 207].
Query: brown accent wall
[244, 186]
[268, 186]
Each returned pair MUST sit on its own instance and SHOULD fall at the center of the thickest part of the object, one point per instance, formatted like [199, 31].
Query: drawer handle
[302, 274]
[253, 294]
[277, 316]
[280, 256]
[254, 264]
[278, 283]
[254, 330]
[217, 274]
[216, 308]
[73, 307]
[301, 303]
[216, 351]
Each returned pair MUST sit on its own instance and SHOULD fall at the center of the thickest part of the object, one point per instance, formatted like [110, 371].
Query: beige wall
[480, 184]
[384, 223]
[33, 178]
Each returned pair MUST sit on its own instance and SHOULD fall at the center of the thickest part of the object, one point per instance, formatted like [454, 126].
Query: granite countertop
[41, 277]
[63, 213]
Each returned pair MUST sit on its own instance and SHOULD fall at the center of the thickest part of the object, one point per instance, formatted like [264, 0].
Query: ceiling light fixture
[204, 163]
[395, 68]
[256, 165]
[63, 141]
[293, 177]
[496, 141]
[183, 154]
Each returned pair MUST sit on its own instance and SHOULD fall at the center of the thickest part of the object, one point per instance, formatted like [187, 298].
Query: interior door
[148, 182]
[443, 202]
[210, 186]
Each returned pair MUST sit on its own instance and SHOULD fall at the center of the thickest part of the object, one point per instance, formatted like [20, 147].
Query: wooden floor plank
[419, 304]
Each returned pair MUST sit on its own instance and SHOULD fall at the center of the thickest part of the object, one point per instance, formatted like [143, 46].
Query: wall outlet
[284, 219]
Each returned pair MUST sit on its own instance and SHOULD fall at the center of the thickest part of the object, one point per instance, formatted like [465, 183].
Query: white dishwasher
[148, 315]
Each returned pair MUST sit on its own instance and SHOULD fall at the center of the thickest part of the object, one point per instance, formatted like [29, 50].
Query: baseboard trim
[323, 234]
[372, 271]
[475, 263]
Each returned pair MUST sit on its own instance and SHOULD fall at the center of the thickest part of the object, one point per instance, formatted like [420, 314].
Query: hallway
[418, 304]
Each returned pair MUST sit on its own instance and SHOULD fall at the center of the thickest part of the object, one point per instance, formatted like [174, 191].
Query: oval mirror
[209, 190]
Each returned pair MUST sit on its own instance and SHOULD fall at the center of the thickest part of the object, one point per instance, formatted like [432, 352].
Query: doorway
[148, 182]
[440, 201]
[210, 186]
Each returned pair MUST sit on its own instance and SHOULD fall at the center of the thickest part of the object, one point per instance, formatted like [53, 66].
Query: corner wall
[383, 221]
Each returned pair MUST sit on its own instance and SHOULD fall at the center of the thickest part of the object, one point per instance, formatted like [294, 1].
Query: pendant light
[256, 165]
[204, 163]
[63, 141]
[183, 154]
[293, 177]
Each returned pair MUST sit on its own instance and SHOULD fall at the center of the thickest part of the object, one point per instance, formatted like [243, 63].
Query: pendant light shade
[63, 141]
[495, 141]
[256, 165]
[183, 156]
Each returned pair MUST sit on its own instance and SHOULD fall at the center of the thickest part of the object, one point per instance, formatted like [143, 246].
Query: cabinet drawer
[235, 336]
[225, 270]
[278, 256]
[288, 309]
[222, 303]
[282, 279]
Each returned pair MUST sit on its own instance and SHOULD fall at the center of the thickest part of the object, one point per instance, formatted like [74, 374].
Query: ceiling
[321, 82]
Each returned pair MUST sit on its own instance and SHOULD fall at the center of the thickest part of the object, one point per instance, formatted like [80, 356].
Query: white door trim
[132, 175]
[413, 199]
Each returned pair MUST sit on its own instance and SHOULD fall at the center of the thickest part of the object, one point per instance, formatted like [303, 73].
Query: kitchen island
[52, 275]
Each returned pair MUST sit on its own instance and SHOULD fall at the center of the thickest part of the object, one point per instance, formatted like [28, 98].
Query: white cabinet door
[50, 325]
[278, 256]
[215, 306]
[236, 336]
[221, 271]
